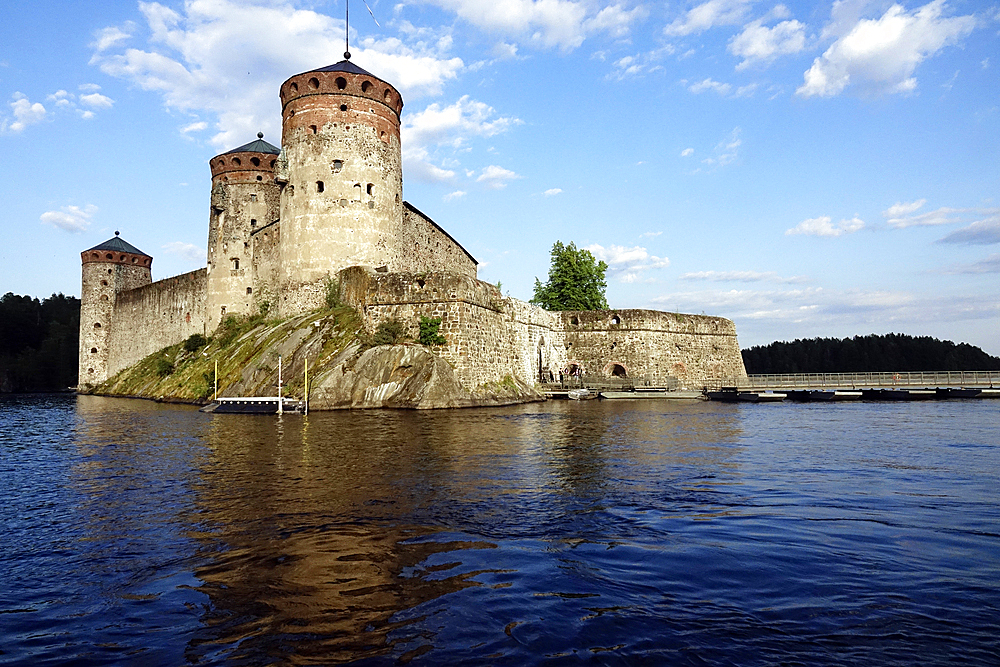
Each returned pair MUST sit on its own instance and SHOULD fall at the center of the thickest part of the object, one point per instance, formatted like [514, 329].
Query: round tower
[244, 204]
[342, 203]
[108, 269]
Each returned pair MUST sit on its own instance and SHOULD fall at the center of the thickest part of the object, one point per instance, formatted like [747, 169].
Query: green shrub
[331, 289]
[195, 342]
[389, 332]
[164, 366]
[429, 335]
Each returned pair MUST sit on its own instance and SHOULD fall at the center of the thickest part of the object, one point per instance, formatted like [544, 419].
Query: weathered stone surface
[405, 376]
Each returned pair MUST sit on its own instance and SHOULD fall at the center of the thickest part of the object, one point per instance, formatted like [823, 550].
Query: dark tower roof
[345, 66]
[259, 146]
[116, 244]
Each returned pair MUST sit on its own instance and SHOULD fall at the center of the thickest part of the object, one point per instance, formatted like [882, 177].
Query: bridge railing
[865, 380]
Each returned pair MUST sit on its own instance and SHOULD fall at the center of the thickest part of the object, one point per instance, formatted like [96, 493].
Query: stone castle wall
[489, 336]
[424, 246]
[151, 317]
[649, 345]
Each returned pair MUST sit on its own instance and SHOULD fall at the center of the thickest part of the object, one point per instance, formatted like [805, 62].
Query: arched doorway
[619, 371]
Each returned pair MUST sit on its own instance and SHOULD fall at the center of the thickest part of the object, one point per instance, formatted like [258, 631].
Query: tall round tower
[342, 202]
[245, 201]
[108, 269]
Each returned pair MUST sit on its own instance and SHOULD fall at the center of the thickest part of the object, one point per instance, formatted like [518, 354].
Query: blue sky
[805, 169]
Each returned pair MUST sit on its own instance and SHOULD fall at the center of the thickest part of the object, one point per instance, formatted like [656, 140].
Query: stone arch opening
[294, 87]
[371, 189]
[341, 83]
[236, 263]
[313, 83]
[616, 320]
[109, 256]
[93, 350]
[357, 192]
[574, 320]
[388, 95]
[104, 283]
[320, 186]
[237, 161]
[97, 325]
[312, 128]
[619, 371]
[366, 86]
[343, 107]
[255, 161]
[104, 297]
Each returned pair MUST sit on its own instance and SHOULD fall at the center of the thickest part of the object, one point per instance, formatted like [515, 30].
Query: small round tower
[342, 203]
[108, 269]
[245, 201]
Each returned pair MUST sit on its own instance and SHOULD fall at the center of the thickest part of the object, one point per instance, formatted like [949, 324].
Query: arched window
[236, 263]
[365, 86]
[319, 186]
[371, 189]
[357, 192]
[337, 166]
[341, 83]
[97, 325]
[236, 161]
[255, 161]
[618, 371]
[93, 350]
[109, 256]
[314, 83]
[616, 320]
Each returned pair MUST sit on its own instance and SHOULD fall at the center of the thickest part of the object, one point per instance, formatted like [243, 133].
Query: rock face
[405, 376]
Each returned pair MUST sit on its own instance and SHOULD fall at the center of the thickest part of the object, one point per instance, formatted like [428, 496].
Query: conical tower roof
[259, 146]
[117, 244]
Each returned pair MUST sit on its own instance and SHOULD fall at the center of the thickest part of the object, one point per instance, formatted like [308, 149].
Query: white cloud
[900, 209]
[450, 128]
[710, 84]
[88, 87]
[546, 23]
[821, 309]
[760, 44]
[197, 126]
[980, 232]
[552, 192]
[627, 264]
[822, 226]
[741, 277]
[726, 151]
[495, 177]
[649, 235]
[106, 38]
[25, 113]
[640, 63]
[188, 251]
[70, 218]
[208, 56]
[989, 265]
[451, 196]
[882, 54]
[942, 216]
[96, 101]
[686, 152]
[708, 15]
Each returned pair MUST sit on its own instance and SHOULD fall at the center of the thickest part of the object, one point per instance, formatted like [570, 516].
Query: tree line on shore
[39, 343]
[873, 353]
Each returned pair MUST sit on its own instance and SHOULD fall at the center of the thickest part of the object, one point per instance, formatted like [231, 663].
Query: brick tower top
[312, 99]
[250, 163]
[116, 251]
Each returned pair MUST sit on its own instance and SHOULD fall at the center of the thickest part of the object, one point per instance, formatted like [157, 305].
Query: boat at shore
[734, 395]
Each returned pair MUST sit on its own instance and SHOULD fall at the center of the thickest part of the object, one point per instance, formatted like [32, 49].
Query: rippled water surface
[606, 532]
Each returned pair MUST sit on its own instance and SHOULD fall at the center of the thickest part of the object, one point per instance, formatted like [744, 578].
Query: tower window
[388, 95]
[104, 297]
[109, 256]
[249, 290]
[236, 263]
[255, 161]
[357, 192]
[312, 128]
[319, 186]
[341, 83]
[93, 350]
[253, 223]
[253, 197]
[371, 189]
[343, 107]
[616, 320]
[294, 87]
[260, 178]
[337, 166]
[97, 325]
[223, 312]
[236, 161]
[314, 83]
[365, 86]
[104, 283]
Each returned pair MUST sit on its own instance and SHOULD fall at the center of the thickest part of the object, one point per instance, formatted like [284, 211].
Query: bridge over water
[899, 380]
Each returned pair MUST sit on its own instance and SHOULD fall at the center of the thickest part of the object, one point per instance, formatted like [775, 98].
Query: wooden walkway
[943, 379]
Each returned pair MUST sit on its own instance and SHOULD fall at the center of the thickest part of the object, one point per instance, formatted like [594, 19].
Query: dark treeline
[885, 354]
[39, 343]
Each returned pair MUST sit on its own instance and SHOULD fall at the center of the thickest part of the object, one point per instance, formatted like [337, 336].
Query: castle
[327, 205]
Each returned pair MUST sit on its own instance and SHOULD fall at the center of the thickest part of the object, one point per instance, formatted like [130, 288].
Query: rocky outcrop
[405, 376]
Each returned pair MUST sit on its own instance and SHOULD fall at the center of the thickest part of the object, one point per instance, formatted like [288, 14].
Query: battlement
[255, 162]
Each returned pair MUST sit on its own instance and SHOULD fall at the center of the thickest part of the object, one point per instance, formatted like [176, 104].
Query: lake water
[611, 532]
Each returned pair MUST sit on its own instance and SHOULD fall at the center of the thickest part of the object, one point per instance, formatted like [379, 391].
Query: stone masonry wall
[649, 345]
[149, 318]
[424, 246]
[489, 336]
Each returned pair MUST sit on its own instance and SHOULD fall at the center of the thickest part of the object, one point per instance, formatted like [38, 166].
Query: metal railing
[864, 380]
